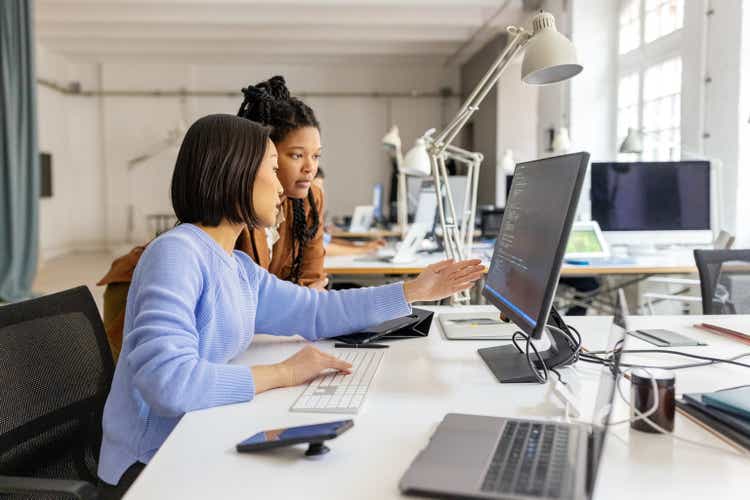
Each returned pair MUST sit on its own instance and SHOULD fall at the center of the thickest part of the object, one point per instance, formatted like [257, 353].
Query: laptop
[362, 219]
[476, 326]
[473, 456]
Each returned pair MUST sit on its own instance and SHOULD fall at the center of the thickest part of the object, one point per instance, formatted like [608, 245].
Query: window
[628, 98]
[662, 84]
[650, 83]
[661, 18]
[630, 25]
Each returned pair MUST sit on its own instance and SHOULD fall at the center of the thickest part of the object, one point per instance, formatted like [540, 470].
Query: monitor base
[510, 366]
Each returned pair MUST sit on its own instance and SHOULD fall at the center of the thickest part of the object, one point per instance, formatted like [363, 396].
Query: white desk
[420, 380]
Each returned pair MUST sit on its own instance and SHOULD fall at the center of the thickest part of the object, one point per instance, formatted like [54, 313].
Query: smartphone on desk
[664, 338]
[276, 438]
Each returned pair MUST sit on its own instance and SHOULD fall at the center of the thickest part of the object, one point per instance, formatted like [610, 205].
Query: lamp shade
[550, 57]
[392, 139]
[561, 142]
[632, 143]
[417, 161]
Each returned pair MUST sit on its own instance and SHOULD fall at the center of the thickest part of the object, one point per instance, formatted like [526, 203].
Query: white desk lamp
[416, 163]
[633, 143]
[550, 57]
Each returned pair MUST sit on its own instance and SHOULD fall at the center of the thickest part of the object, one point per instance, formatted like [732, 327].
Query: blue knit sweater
[191, 308]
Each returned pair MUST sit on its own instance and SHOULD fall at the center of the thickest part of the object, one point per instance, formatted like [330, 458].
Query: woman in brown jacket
[293, 250]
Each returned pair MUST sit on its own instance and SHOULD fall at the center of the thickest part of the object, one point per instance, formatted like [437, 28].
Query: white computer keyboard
[339, 393]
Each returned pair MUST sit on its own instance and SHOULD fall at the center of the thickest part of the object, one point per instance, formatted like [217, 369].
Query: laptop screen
[607, 380]
[584, 240]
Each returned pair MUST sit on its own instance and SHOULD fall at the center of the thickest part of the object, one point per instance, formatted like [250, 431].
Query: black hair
[270, 103]
[320, 173]
[215, 171]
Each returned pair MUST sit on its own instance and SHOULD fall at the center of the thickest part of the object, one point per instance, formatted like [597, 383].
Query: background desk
[419, 381]
[359, 265]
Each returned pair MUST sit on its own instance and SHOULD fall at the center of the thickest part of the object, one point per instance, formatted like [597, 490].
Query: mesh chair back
[55, 373]
[725, 280]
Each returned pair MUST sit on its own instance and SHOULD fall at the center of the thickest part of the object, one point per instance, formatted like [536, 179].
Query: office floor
[71, 270]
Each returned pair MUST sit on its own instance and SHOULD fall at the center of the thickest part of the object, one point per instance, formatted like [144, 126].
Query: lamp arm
[485, 85]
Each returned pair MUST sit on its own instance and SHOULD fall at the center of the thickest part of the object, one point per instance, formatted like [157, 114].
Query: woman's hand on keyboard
[443, 279]
[308, 363]
[298, 369]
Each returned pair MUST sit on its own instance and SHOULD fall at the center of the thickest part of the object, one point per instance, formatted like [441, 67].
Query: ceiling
[446, 31]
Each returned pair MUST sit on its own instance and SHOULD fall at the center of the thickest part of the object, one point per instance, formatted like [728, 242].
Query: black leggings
[109, 492]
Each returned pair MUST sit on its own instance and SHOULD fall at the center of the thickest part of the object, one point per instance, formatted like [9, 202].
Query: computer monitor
[413, 187]
[426, 205]
[458, 184]
[653, 202]
[377, 201]
[528, 255]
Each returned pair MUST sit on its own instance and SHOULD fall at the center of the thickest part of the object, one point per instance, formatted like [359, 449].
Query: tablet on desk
[586, 242]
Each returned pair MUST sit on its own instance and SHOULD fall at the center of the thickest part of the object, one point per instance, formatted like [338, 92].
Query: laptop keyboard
[530, 460]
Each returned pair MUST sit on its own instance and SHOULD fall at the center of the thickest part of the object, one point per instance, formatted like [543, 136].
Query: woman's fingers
[440, 266]
[464, 274]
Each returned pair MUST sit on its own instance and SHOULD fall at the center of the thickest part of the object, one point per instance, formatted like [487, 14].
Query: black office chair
[725, 280]
[490, 221]
[55, 373]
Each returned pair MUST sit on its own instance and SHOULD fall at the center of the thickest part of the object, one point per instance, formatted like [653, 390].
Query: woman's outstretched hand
[443, 279]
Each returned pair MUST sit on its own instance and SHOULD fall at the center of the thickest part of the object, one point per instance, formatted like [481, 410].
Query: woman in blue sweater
[195, 302]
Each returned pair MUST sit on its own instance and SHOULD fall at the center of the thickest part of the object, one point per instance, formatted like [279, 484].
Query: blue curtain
[19, 157]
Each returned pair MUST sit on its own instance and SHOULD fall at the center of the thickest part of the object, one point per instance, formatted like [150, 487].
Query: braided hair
[270, 104]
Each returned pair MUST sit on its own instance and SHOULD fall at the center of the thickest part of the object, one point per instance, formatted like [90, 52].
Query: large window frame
[637, 62]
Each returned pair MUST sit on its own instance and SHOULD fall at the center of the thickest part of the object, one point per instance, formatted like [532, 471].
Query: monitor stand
[510, 366]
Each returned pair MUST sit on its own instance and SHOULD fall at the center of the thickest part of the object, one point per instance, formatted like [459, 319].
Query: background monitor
[670, 201]
[377, 201]
[529, 250]
[426, 205]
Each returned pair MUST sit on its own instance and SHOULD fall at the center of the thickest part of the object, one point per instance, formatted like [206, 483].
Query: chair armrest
[30, 485]
[677, 298]
[673, 281]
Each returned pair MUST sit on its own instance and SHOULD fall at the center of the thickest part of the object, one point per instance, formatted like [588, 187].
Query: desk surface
[680, 263]
[367, 235]
[419, 381]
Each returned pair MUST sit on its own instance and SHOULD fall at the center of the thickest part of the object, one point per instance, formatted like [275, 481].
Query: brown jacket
[253, 243]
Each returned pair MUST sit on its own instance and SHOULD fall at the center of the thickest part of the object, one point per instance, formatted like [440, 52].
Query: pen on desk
[577, 262]
[340, 345]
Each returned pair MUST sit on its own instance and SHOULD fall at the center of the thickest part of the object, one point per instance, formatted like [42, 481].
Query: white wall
[722, 134]
[593, 99]
[73, 218]
[351, 126]
[743, 173]
[506, 119]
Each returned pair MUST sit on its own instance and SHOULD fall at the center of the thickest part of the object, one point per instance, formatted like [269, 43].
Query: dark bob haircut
[215, 171]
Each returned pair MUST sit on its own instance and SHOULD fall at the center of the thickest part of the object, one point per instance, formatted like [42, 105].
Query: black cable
[591, 357]
[558, 376]
[537, 373]
[709, 360]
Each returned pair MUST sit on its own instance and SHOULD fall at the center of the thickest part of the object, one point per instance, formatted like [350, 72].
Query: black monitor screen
[536, 224]
[654, 196]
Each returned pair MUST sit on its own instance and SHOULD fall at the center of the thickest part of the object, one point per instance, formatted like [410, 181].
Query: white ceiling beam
[117, 31]
[140, 46]
[299, 17]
